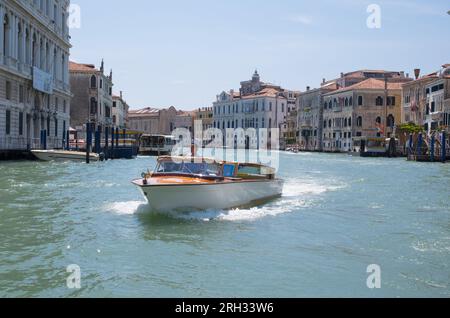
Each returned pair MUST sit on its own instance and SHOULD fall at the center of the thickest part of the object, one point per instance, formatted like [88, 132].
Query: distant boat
[180, 184]
[62, 155]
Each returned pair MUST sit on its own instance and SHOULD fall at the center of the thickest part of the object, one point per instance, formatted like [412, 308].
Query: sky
[183, 53]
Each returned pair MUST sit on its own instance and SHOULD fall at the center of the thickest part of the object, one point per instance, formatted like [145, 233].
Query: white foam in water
[125, 208]
[296, 195]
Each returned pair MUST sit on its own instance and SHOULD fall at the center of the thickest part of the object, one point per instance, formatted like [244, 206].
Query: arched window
[359, 121]
[63, 71]
[345, 122]
[6, 32]
[379, 101]
[93, 106]
[346, 101]
[27, 47]
[324, 124]
[19, 42]
[325, 105]
[360, 100]
[93, 81]
[34, 50]
[391, 121]
[350, 122]
[330, 123]
[55, 55]
[335, 102]
[350, 102]
[330, 105]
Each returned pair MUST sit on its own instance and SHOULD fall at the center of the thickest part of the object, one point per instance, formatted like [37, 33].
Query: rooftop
[370, 84]
[82, 68]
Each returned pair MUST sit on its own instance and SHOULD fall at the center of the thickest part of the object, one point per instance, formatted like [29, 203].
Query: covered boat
[63, 155]
[201, 184]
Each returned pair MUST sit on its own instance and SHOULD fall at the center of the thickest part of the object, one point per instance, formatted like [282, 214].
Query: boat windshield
[206, 169]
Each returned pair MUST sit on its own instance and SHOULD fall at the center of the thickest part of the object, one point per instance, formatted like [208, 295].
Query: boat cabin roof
[227, 168]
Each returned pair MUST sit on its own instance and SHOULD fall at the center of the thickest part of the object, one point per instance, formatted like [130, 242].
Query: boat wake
[126, 208]
[297, 195]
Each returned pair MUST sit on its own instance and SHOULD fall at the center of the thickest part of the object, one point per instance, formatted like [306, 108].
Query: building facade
[371, 108]
[34, 77]
[159, 121]
[314, 133]
[206, 115]
[310, 117]
[426, 101]
[92, 96]
[256, 105]
[120, 110]
[290, 129]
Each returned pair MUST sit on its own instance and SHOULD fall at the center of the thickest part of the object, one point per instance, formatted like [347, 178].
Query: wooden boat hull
[206, 196]
[54, 155]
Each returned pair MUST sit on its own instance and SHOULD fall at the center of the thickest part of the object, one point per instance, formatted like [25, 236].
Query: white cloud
[300, 19]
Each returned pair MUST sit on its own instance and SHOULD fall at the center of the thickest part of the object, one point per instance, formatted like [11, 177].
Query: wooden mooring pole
[443, 147]
[88, 142]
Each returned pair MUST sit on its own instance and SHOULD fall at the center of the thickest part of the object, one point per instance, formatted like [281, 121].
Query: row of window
[339, 122]
[345, 135]
[428, 91]
[347, 122]
[254, 107]
[245, 123]
[36, 52]
[379, 101]
[50, 9]
[21, 124]
[23, 95]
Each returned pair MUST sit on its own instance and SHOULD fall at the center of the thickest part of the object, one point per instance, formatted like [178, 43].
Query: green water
[338, 215]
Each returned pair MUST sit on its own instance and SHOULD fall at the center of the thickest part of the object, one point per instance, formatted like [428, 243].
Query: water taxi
[63, 155]
[156, 145]
[180, 183]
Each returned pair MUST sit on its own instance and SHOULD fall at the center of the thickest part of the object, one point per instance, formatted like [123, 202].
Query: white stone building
[256, 105]
[34, 78]
[120, 111]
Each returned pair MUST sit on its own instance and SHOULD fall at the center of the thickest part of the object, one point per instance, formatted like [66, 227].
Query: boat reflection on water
[185, 184]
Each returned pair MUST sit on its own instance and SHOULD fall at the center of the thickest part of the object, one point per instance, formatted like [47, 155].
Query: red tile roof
[371, 83]
[144, 112]
[265, 92]
[82, 68]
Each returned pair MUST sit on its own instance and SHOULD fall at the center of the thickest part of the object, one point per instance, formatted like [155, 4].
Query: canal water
[337, 216]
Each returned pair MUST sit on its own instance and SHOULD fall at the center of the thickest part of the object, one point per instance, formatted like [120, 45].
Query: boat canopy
[169, 165]
[212, 167]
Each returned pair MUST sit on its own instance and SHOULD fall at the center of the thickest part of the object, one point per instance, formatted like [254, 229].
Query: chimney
[324, 81]
[121, 95]
[417, 73]
[407, 75]
[308, 88]
[342, 75]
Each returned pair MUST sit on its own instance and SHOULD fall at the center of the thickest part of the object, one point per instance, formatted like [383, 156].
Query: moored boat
[180, 184]
[62, 155]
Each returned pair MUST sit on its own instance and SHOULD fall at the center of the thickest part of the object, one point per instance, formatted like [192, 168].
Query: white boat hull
[54, 155]
[217, 196]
